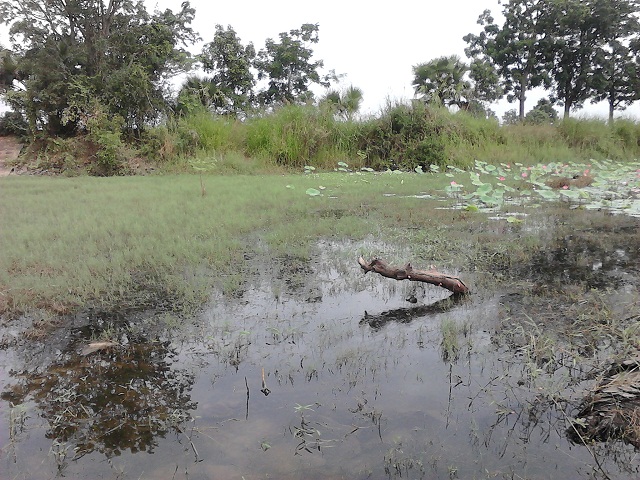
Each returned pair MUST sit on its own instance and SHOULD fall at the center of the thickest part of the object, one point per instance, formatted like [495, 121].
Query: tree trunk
[611, 110]
[450, 282]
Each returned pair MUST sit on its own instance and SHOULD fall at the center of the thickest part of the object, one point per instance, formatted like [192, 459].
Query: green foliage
[518, 48]
[295, 136]
[288, 67]
[13, 123]
[204, 131]
[344, 104]
[543, 112]
[117, 55]
[442, 81]
[419, 135]
[105, 132]
[230, 63]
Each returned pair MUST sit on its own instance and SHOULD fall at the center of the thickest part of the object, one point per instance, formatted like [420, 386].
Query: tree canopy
[580, 49]
[288, 67]
[72, 58]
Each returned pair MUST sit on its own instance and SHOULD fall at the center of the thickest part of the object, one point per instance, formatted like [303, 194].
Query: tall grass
[402, 135]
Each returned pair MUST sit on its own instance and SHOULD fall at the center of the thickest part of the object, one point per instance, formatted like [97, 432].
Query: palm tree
[443, 81]
[345, 104]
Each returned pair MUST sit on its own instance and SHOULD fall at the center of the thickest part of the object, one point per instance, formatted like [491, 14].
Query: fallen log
[450, 282]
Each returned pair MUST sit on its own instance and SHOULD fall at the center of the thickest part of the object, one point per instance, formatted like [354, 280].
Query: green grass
[166, 241]
[401, 136]
[70, 242]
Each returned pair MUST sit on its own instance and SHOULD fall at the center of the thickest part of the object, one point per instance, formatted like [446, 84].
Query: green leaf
[548, 194]
[312, 192]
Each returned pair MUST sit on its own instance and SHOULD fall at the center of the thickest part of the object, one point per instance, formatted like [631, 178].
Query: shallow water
[314, 370]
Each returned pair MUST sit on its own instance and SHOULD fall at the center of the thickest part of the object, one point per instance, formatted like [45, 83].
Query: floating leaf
[548, 194]
[312, 192]
[514, 220]
[484, 188]
[472, 208]
[570, 193]
[489, 200]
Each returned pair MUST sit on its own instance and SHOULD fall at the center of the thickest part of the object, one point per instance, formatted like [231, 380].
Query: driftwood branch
[407, 272]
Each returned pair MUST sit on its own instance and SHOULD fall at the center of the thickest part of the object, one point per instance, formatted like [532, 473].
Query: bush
[13, 123]
[293, 135]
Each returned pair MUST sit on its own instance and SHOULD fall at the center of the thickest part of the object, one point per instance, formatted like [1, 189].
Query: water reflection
[110, 401]
[407, 315]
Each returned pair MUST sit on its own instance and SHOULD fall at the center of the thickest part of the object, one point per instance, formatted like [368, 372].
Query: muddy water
[314, 370]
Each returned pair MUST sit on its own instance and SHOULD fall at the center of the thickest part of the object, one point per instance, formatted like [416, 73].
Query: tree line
[78, 65]
[579, 50]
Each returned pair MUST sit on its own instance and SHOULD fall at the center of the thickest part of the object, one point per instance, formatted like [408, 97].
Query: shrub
[13, 123]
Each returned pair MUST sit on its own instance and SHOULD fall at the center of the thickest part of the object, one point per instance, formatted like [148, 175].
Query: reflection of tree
[407, 315]
[111, 401]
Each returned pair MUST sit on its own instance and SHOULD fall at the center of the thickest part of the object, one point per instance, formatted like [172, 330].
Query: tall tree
[443, 81]
[72, 55]
[486, 82]
[289, 68]
[617, 72]
[575, 34]
[230, 63]
[518, 48]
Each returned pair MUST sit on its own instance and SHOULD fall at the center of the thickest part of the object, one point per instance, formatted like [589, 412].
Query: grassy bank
[401, 136]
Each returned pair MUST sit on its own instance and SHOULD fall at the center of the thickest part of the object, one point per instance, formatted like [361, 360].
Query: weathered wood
[450, 282]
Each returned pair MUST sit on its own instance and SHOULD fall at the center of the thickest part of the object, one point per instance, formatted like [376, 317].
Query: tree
[543, 112]
[345, 104]
[617, 72]
[230, 62]
[518, 48]
[288, 67]
[443, 81]
[511, 117]
[486, 82]
[574, 34]
[196, 93]
[76, 57]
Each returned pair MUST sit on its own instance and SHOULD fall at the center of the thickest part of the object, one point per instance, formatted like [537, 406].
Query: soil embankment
[10, 148]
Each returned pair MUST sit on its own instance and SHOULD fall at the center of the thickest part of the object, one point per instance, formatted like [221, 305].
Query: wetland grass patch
[76, 242]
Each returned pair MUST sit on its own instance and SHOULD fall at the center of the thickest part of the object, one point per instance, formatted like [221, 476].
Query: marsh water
[315, 370]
